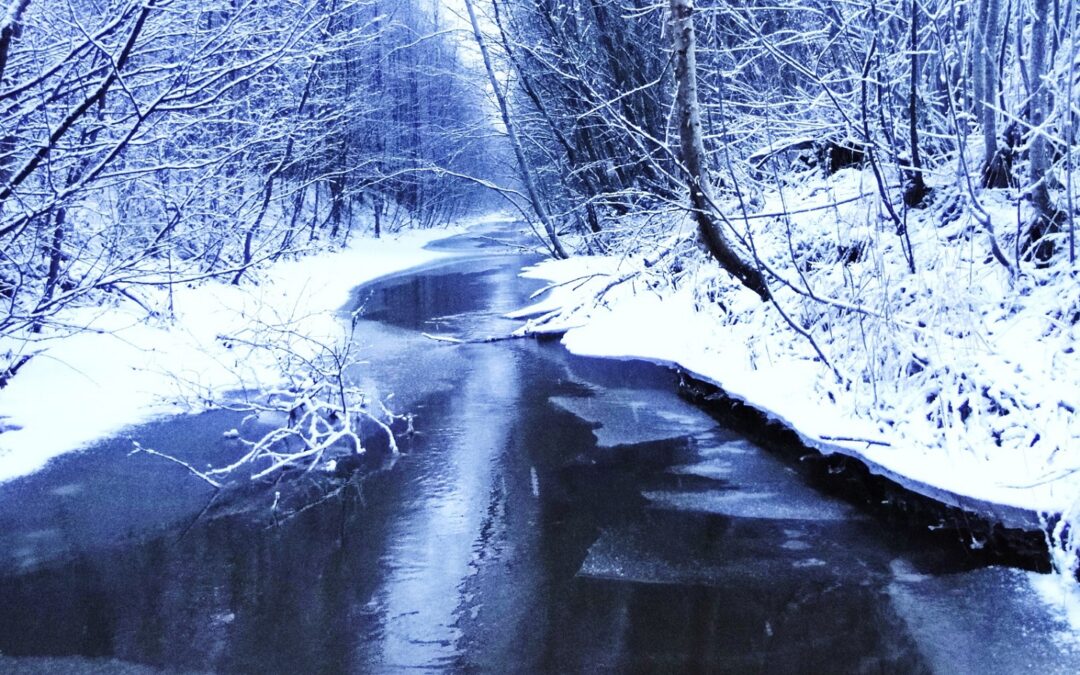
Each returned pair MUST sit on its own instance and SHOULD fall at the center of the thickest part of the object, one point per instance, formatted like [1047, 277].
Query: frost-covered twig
[195, 472]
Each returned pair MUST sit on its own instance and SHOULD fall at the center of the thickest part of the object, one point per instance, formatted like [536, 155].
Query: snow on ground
[987, 620]
[128, 368]
[960, 376]
[1063, 598]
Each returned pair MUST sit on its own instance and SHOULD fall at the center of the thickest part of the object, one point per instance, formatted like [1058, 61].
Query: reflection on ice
[749, 504]
[432, 542]
[714, 470]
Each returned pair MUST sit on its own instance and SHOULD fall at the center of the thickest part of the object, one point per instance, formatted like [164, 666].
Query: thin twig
[139, 448]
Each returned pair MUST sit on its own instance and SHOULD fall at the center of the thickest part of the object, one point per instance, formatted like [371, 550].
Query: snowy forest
[855, 217]
[149, 143]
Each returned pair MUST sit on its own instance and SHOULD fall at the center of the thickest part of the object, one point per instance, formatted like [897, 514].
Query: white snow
[1062, 596]
[127, 369]
[9, 15]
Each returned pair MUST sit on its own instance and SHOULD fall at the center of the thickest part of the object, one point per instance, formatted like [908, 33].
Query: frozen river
[553, 514]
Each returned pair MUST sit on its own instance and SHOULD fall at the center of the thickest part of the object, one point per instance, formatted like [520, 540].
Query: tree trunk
[1040, 165]
[978, 56]
[56, 257]
[916, 189]
[511, 133]
[693, 152]
[995, 168]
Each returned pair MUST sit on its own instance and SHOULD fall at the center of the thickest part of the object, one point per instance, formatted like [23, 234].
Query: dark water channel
[554, 514]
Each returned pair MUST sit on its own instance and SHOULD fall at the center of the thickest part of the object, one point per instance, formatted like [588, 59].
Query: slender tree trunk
[1040, 164]
[916, 190]
[377, 207]
[290, 232]
[379, 136]
[978, 56]
[511, 132]
[1040, 147]
[314, 215]
[1070, 135]
[56, 257]
[995, 171]
[693, 152]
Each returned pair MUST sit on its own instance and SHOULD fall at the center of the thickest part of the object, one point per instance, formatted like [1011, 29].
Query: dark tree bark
[916, 189]
[995, 166]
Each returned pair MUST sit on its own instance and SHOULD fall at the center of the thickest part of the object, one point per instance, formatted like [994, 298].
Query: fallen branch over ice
[474, 341]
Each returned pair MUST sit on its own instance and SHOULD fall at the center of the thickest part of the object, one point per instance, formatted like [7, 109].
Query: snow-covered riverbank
[126, 368]
[958, 376]
[669, 328]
